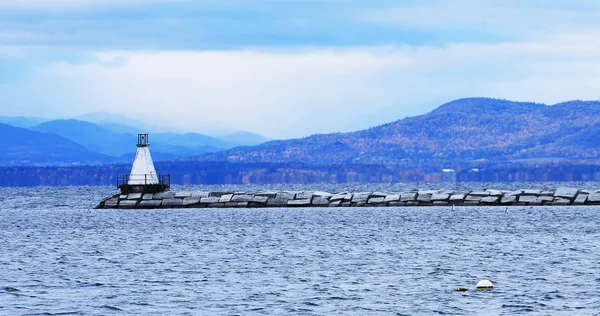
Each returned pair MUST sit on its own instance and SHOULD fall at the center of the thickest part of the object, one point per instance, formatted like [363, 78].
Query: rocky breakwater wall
[197, 199]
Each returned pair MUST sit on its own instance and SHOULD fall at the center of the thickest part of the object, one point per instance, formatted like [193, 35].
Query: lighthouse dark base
[143, 188]
[163, 183]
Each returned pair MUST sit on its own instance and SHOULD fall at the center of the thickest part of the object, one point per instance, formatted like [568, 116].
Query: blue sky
[290, 68]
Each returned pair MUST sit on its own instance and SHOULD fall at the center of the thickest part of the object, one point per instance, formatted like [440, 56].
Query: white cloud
[296, 93]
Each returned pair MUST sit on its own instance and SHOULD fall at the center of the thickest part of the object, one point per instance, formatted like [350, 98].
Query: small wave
[338, 298]
[519, 307]
[112, 308]
[10, 289]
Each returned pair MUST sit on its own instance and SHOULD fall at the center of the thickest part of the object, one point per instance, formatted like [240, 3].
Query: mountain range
[465, 133]
[74, 141]
[19, 146]
[461, 133]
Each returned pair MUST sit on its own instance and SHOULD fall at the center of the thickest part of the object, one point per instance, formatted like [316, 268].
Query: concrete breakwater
[201, 199]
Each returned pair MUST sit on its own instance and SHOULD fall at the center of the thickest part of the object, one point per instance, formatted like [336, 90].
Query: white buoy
[485, 285]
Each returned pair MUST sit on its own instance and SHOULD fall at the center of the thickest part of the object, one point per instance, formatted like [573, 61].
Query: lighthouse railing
[144, 179]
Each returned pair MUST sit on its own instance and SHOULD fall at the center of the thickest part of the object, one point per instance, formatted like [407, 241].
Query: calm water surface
[58, 256]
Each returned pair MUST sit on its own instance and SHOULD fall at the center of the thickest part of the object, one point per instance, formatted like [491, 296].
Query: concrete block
[494, 192]
[277, 201]
[134, 196]
[128, 203]
[210, 200]
[408, 196]
[545, 199]
[111, 203]
[149, 204]
[362, 197]
[148, 196]
[561, 201]
[171, 202]
[392, 198]
[594, 198]
[473, 198]
[320, 201]
[490, 199]
[509, 199]
[376, 200]
[285, 195]
[219, 193]
[191, 200]
[457, 198]
[568, 193]
[516, 192]
[200, 194]
[225, 198]
[242, 198]
[379, 194]
[341, 196]
[440, 197]
[163, 195]
[581, 198]
[303, 195]
[269, 194]
[335, 203]
[528, 199]
[424, 197]
[302, 202]
[260, 199]
[183, 194]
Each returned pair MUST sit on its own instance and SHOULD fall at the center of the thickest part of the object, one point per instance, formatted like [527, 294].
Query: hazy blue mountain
[164, 145]
[244, 138]
[19, 146]
[120, 128]
[460, 132]
[113, 120]
[91, 136]
[189, 140]
[21, 121]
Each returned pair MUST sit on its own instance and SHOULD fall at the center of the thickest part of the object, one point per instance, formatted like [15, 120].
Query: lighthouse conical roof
[142, 171]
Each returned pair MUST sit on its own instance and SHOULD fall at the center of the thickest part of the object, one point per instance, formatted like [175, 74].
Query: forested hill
[456, 133]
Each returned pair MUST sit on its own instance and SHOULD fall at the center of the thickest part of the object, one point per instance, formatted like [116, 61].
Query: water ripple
[366, 261]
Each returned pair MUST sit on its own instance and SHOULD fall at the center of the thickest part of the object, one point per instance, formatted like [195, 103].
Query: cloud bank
[288, 79]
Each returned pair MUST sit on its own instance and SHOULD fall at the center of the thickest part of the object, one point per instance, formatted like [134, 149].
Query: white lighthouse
[143, 177]
[142, 171]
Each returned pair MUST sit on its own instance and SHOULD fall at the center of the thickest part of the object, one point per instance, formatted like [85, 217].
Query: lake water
[58, 256]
